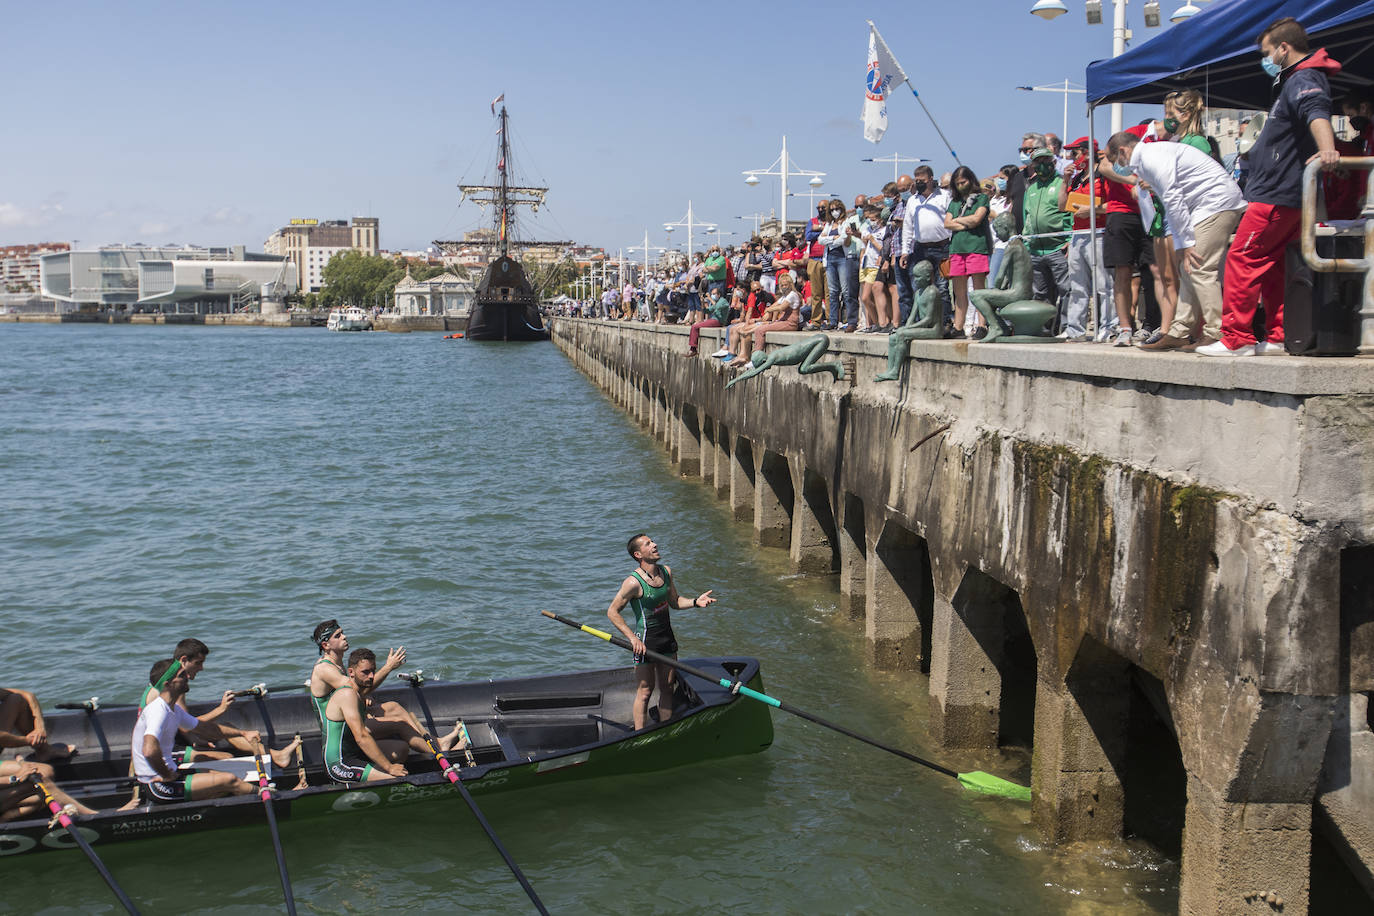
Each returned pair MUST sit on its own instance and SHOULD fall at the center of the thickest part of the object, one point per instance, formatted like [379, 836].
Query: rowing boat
[525, 732]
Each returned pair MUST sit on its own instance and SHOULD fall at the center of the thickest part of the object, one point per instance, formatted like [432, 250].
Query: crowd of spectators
[1189, 254]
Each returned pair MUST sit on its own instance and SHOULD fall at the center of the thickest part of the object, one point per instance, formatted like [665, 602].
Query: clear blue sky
[217, 123]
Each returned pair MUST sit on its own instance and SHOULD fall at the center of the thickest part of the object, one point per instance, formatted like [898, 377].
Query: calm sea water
[243, 484]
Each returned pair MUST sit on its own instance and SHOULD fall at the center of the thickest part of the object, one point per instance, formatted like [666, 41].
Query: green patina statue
[1012, 315]
[922, 324]
[803, 354]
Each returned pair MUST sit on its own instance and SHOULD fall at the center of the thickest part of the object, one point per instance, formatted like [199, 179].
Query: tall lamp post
[756, 219]
[646, 248]
[1051, 9]
[691, 222]
[785, 168]
[896, 161]
[1068, 89]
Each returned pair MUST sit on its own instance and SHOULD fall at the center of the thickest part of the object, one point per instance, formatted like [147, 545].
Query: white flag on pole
[883, 73]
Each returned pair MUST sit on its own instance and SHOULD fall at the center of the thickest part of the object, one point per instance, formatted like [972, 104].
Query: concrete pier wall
[1112, 555]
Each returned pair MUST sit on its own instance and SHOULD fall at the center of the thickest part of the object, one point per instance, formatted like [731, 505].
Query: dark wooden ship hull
[506, 306]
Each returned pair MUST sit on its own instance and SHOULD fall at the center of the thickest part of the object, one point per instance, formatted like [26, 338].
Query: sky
[215, 124]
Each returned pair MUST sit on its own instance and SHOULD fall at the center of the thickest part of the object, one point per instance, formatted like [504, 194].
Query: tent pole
[1093, 165]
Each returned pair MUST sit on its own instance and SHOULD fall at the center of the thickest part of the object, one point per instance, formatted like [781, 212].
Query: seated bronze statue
[803, 354]
[1012, 315]
[923, 323]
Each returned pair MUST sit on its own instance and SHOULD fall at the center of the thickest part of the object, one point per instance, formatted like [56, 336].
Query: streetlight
[646, 247]
[1050, 9]
[1067, 91]
[785, 168]
[691, 222]
[1186, 11]
[757, 218]
[896, 160]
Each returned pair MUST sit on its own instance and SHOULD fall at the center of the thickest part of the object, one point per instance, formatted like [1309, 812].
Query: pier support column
[708, 450]
[1248, 822]
[642, 402]
[720, 458]
[772, 500]
[979, 645]
[815, 542]
[687, 442]
[742, 480]
[853, 556]
[899, 596]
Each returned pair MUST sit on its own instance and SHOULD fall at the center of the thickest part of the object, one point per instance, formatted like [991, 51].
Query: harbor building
[140, 279]
[445, 294]
[310, 243]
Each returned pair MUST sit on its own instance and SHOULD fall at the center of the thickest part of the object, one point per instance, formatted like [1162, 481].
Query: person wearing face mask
[1343, 189]
[998, 203]
[902, 278]
[1183, 121]
[1204, 206]
[1297, 132]
[1086, 293]
[1043, 212]
[1016, 182]
[840, 237]
[924, 236]
[815, 266]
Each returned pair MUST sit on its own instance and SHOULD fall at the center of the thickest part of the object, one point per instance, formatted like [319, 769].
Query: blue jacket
[1284, 146]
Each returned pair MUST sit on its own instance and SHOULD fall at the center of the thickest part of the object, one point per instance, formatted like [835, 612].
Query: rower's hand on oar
[254, 736]
[226, 701]
[704, 599]
[637, 645]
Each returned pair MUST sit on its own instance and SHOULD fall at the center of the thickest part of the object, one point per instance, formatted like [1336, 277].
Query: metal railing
[1343, 265]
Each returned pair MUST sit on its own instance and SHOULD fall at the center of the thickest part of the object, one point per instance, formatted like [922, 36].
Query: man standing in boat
[650, 594]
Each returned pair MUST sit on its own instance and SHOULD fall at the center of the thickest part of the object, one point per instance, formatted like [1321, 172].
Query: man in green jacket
[714, 268]
[1042, 212]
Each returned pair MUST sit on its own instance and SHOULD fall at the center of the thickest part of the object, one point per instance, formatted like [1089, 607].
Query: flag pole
[906, 79]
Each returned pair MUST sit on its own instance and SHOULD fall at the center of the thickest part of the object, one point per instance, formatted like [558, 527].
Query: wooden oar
[74, 832]
[265, 793]
[977, 781]
[452, 773]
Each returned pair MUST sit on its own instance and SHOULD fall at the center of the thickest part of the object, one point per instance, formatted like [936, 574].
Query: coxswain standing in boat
[189, 657]
[398, 723]
[650, 594]
[21, 725]
[152, 742]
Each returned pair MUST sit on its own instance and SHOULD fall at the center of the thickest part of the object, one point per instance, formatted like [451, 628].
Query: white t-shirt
[162, 722]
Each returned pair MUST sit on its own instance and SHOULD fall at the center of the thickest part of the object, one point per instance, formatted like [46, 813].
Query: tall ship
[506, 306]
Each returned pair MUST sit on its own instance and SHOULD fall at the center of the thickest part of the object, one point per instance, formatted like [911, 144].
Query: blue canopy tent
[1215, 53]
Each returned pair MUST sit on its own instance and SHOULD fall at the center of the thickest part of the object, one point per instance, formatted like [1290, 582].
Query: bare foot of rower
[454, 740]
[282, 757]
[45, 753]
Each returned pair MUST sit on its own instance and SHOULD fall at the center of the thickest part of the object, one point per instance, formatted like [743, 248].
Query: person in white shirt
[924, 236]
[1204, 205]
[152, 744]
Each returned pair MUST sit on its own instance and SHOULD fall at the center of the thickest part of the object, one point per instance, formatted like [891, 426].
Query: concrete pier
[1154, 569]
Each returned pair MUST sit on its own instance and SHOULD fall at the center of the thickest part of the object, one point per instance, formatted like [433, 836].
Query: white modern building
[135, 278]
[445, 294]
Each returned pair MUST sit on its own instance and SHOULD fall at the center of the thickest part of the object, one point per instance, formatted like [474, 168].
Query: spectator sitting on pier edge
[719, 313]
[782, 315]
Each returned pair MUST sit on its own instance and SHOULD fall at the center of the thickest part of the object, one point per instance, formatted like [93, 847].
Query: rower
[329, 673]
[21, 725]
[650, 593]
[390, 720]
[189, 657]
[20, 798]
[351, 754]
[152, 742]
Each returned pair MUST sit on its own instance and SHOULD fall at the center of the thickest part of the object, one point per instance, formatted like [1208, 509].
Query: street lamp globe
[1049, 9]
[816, 181]
[1186, 11]
[751, 180]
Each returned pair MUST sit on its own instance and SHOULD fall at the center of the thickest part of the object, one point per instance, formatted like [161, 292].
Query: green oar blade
[978, 781]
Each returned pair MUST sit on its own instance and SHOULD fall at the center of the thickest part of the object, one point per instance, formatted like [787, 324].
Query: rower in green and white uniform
[650, 594]
[350, 752]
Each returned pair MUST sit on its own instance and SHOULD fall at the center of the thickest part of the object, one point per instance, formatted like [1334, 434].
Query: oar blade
[987, 784]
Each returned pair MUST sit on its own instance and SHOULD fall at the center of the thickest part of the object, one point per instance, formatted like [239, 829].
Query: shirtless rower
[152, 742]
[650, 594]
[21, 725]
[392, 720]
[20, 798]
[189, 657]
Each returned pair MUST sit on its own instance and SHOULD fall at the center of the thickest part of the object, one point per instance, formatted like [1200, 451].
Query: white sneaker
[1265, 348]
[1217, 348]
[721, 352]
[1123, 339]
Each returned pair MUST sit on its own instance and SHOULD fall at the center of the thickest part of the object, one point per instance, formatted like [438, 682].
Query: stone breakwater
[1155, 569]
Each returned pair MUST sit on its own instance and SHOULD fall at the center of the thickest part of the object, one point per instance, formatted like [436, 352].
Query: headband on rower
[167, 675]
[328, 635]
